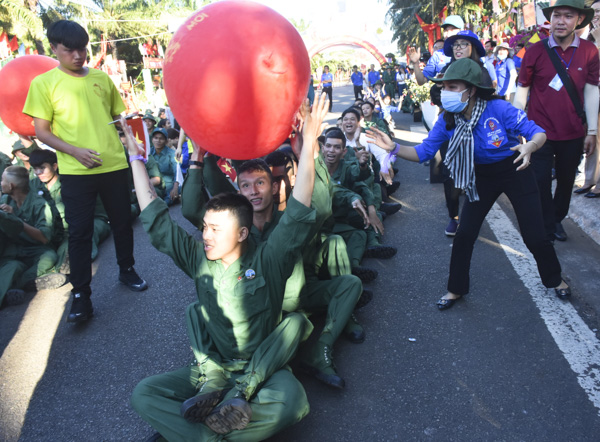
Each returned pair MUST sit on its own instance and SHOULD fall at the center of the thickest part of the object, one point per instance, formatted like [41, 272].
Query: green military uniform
[167, 165]
[304, 291]
[389, 83]
[24, 259]
[101, 225]
[5, 161]
[153, 172]
[349, 224]
[234, 327]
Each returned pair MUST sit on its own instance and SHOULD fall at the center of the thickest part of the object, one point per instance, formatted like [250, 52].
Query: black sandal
[444, 304]
[563, 293]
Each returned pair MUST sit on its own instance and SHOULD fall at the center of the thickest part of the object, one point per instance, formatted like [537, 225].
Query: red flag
[227, 169]
[4, 37]
[27, 50]
[14, 44]
[140, 132]
[421, 22]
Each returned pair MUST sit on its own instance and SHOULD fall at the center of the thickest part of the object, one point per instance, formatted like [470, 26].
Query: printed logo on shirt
[495, 132]
[521, 116]
[97, 89]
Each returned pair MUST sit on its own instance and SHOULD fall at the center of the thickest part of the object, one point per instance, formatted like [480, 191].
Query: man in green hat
[552, 108]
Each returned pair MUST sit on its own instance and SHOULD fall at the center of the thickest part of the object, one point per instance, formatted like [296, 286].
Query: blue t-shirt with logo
[496, 132]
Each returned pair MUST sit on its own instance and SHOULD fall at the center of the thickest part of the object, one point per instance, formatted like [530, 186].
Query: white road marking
[575, 340]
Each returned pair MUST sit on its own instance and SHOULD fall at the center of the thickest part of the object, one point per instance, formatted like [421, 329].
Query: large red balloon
[235, 73]
[15, 78]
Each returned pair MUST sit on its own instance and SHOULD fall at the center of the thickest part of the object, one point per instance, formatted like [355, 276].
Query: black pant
[358, 92]
[329, 91]
[520, 187]
[451, 193]
[79, 193]
[565, 156]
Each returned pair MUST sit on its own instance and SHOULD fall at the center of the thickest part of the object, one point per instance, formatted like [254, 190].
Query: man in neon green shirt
[72, 107]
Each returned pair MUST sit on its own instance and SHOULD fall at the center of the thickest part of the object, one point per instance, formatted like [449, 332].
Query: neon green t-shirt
[79, 110]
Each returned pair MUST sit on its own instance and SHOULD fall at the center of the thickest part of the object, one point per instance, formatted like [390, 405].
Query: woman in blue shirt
[506, 72]
[327, 83]
[485, 159]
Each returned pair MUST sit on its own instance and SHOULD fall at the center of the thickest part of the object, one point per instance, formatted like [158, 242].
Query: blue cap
[160, 130]
[464, 35]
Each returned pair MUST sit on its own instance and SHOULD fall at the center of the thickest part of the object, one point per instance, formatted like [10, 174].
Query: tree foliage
[405, 25]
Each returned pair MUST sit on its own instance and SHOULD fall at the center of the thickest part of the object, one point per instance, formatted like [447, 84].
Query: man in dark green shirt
[240, 343]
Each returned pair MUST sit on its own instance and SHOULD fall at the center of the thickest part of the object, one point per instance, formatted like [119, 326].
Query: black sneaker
[365, 274]
[365, 298]
[380, 252]
[390, 208]
[81, 308]
[14, 297]
[132, 280]
[392, 187]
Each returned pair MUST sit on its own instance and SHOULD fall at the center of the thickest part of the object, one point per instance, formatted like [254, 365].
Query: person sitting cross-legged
[240, 386]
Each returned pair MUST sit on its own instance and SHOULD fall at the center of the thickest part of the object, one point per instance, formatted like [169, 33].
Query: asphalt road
[511, 362]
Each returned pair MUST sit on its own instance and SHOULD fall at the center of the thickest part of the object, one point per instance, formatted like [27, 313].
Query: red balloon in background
[15, 78]
[235, 74]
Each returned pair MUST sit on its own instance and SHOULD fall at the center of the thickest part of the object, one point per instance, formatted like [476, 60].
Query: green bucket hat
[578, 5]
[465, 70]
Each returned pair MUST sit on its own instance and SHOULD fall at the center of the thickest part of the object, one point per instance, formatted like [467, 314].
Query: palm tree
[20, 17]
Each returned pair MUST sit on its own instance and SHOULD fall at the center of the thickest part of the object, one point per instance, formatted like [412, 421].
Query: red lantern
[15, 78]
[235, 74]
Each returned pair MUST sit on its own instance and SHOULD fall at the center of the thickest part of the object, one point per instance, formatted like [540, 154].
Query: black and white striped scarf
[460, 157]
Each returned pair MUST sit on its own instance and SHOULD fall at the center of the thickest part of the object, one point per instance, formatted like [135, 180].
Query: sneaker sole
[450, 233]
[234, 414]
[197, 408]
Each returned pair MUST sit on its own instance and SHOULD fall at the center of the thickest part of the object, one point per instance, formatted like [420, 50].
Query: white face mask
[502, 56]
[452, 101]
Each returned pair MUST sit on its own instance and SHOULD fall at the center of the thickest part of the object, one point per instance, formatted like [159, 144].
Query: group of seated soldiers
[352, 178]
[33, 229]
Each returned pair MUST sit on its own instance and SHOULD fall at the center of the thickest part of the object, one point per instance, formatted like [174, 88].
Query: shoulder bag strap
[566, 80]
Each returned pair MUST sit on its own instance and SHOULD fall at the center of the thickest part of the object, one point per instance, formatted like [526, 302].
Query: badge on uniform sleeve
[250, 274]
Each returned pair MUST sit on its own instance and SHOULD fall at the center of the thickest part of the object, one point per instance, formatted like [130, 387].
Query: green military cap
[18, 145]
[465, 70]
[148, 116]
[578, 5]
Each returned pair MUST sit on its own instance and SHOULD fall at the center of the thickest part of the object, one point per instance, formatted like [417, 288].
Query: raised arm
[144, 190]
[305, 177]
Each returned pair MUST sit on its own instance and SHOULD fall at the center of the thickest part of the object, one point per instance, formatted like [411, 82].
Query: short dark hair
[172, 133]
[356, 67]
[162, 122]
[237, 204]
[19, 176]
[278, 158]
[68, 33]
[336, 132]
[439, 40]
[41, 156]
[369, 103]
[492, 43]
[352, 110]
[256, 165]
[325, 67]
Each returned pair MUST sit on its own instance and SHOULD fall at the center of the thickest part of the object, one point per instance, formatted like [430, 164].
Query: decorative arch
[346, 40]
